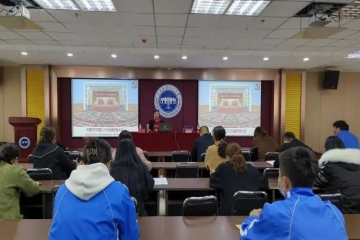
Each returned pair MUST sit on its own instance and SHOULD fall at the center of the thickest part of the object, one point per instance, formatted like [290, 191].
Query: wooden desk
[160, 228]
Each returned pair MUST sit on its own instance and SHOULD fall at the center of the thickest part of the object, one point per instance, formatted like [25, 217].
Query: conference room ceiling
[172, 32]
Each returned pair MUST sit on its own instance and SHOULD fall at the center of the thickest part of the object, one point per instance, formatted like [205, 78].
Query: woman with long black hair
[132, 172]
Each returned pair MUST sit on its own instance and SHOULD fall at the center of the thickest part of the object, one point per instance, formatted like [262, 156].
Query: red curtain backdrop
[147, 88]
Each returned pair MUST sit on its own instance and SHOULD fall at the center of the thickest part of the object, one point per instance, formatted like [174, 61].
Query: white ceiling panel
[81, 28]
[192, 46]
[271, 42]
[235, 22]
[173, 6]
[170, 31]
[139, 40]
[72, 43]
[240, 47]
[350, 49]
[198, 32]
[319, 42]
[149, 46]
[306, 49]
[53, 27]
[20, 42]
[137, 19]
[328, 49]
[354, 36]
[203, 20]
[171, 20]
[87, 17]
[353, 25]
[168, 46]
[253, 33]
[295, 42]
[40, 15]
[10, 35]
[225, 33]
[297, 23]
[283, 8]
[134, 6]
[282, 33]
[261, 48]
[195, 41]
[169, 40]
[284, 48]
[216, 46]
[141, 31]
[110, 30]
[267, 23]
[46, 43]
[37, 35]
[343, 34]
[63, 36]
[343, 43]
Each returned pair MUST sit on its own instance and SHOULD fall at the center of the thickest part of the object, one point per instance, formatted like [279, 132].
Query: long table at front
[161, 228]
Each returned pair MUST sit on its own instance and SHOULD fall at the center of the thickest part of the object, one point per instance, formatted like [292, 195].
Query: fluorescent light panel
[247, 8]
[96, 5]
[210, 6]
[58, 4]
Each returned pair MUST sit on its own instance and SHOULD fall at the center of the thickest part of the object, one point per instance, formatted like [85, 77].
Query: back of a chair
[200, 206]
[180, 156]
[334, 198]
[247, 155]
[135, 203]
[271, 172]
[188, 129]
[40, 174]
[246, 201]
[73, 155]
[271, 156]
[187, 170]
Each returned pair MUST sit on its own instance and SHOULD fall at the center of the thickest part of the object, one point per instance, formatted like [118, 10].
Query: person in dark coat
[201, 144]
[154, 123]
[235, 175]
[47, 154]
[340, 172]
[289, 141]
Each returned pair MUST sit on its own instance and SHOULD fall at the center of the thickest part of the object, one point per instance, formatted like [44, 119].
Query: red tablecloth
[155, 142]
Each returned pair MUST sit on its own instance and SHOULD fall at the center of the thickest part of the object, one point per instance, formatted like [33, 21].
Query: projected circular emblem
[24, 142]
[168, 101]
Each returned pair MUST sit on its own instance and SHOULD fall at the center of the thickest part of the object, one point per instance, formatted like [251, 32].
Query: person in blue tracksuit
[341, 130]
[91, 205]
[302, 215]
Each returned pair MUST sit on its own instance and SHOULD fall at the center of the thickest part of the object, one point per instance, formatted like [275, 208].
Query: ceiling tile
[282, 33]
[173, 6]
[309, 49]
[267, 23]
[80, 27]
[284, 48]
[192, 46]
[343, 43]
[63, 36]
[220, 33]
[319, 42]
[203, 20]
[270, 42]
[139, 40]
[343, 34]
[328, 49]
[109, 18]
[354, 36]
[121, 45]
[169, 40]
[297, 23]
[140, 45]
[283, 8]
[134, 6]
[53, 27]
[171, 20]
[72, 43]
[20, 42]
[141, 31]
[168, 46]
[10, 35]
[262, 47]
[110, 30]
[235, 21]
[198, 32]
[46, 42]
[170, 31]
[195, 41]
[253, 33]
[41, 15]
[353, 25]
[34, 35]
[217, 46]
[295, 42]
[137, 19]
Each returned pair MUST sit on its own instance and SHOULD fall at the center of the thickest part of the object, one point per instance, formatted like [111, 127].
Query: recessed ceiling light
[57, 4]
[113, 55]
[306, 59]
[265, 58]
[24, 53]
[70, 54]
[184, 57]
[210, 6]
[96, 5]
[247, 8]
[156, 57]
[225, 58]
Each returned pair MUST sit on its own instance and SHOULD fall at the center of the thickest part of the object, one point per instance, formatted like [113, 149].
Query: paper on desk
[161, 181]
[238, 226]
[271, 162]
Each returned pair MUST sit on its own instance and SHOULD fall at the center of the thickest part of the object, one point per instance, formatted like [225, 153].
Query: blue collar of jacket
[304, 191]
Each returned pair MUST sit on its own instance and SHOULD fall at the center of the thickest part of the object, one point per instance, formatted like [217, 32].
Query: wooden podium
[25, 130]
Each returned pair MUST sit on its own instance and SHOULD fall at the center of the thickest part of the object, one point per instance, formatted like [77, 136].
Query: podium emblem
[24, 142]
[168, 100]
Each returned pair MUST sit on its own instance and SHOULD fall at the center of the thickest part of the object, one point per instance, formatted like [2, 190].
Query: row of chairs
[243, 203]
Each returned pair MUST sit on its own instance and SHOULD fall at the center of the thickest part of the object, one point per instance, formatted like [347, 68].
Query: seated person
[127, 135]
[91, 204]
[340, 172]
[201, 144]
[215, 154]
[289, 141]
[47, 154]
[13, 179]
[302, 215]
[341, 130]
[132, 172]
[154, 123]
[263, 143]
[235, 175]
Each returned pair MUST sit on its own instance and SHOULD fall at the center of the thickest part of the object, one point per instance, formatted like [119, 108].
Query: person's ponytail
[222, 148]
[239, 163]
[3, 158]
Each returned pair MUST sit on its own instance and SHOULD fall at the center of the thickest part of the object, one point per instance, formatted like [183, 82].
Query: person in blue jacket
[91, 204]
[302, 215]
[341, 130]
